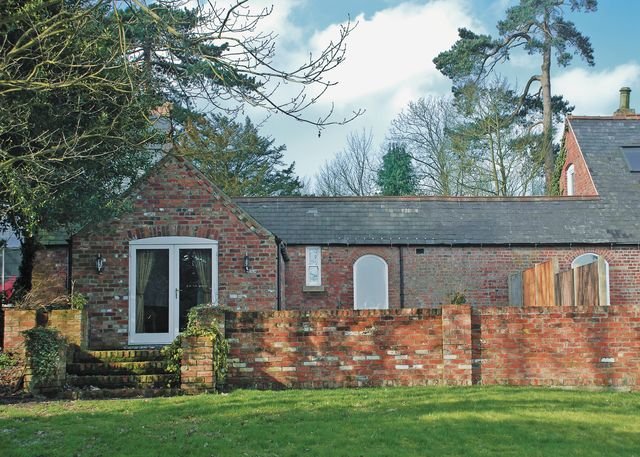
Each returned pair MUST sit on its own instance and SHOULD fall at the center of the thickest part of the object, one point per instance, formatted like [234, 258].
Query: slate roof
[611, 218]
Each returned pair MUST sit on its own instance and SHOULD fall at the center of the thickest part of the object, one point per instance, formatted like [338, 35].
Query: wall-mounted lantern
[100, 263]
[246, 263]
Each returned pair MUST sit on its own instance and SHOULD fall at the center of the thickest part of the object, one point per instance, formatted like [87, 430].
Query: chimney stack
[625, 97]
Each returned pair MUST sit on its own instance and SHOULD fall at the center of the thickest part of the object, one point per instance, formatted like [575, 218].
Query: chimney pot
[625, 98]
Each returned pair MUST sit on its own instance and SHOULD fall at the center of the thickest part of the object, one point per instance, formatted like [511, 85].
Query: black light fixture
[246, 263]
[100, 262]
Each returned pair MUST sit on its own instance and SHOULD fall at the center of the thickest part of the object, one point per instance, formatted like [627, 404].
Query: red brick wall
[455, 345]
[582, 182]
[70, 323]
[50, 273]
[431, 278]
[335, 348]
[175, 200]
[337, 277]
[557, 346]
[15, 322]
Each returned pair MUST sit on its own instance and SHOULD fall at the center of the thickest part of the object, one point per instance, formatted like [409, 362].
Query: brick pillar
[196, 368]
[456, 345]
[15, 322]
[72, 325]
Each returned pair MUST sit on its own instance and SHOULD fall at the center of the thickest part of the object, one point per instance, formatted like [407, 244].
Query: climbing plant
[173, 352]
[45, 348]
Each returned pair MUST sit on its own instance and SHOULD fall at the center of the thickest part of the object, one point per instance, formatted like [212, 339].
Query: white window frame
[356, 288]
[591, 257]
[173, 244]
[571, 180]
[308, 266]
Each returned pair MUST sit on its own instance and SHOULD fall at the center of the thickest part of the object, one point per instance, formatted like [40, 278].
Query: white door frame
[173, 244]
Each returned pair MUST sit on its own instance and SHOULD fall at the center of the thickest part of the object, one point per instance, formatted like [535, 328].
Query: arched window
[588, 258]
[570, 180]
[370, 283]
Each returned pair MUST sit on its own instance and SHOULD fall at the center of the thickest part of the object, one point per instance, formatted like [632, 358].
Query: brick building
[185, 243]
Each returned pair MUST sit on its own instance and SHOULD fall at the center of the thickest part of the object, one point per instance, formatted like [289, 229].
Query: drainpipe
[69, 262]
[278, 298]
[401, 261]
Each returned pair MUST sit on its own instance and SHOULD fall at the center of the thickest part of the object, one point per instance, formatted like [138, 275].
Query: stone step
[120, 381]
[126, 355]
[122, 392]
[117, 368]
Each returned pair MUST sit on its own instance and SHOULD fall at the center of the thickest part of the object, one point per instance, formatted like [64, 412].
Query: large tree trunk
[547, 114]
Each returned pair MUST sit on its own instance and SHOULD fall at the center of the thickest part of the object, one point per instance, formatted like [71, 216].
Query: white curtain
[144, 264]
[202, 260]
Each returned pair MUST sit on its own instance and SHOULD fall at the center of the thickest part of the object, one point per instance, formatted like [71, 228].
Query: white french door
[167, 277]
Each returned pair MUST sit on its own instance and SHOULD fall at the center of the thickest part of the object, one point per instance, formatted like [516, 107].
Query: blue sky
[390, 53]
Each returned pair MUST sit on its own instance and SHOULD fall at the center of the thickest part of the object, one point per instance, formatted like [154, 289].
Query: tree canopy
[352, 172]
[79, 79]
[237, 158]
[396, 175]
[72, 122]
[537, 27]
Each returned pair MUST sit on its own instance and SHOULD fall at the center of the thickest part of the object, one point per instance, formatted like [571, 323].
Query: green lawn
[364, 422]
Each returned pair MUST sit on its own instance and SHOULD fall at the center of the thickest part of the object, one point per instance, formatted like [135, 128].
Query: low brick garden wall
[71, 323]
[559, 346]
[318, 349]
[454, 345]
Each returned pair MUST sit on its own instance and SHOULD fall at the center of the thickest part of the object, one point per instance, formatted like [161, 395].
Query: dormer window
[570, 180]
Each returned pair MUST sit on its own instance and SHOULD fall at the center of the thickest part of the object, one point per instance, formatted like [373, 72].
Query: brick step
[127, 355]
[117, 368]
[123, 392]
[120, 381]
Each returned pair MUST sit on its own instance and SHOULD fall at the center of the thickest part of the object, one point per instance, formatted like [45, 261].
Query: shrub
[173, 352]
[6, 361]
[40, 298]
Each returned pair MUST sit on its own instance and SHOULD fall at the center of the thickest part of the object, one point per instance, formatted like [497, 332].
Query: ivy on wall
[173, 352]
[557, 170]
[45, 349]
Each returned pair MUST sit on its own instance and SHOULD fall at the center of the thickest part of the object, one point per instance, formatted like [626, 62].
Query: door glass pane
[195, 280]
[152, 291]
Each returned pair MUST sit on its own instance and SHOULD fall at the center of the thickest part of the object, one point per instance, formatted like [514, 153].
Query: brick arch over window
[370, 283]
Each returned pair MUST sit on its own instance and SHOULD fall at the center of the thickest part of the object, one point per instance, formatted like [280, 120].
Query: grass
[365, 422]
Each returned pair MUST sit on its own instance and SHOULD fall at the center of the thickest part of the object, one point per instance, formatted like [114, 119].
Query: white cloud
[279, 19]
[394, 48]
[596, 92]
[388, 63]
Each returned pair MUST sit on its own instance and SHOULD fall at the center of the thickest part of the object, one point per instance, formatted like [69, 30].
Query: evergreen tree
[396, 175]
[538, 27]
[237, 158]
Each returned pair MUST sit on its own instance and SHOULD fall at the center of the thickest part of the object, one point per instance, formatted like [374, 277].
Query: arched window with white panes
[588, 258]
[571, 179]
[370, 283]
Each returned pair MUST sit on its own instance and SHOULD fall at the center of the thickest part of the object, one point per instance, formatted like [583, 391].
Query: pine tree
[538, 27]
[396, 175]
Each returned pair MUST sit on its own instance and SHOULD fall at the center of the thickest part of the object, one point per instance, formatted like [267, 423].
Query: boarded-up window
[314, 266]
[570, 180]
[370, 283]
